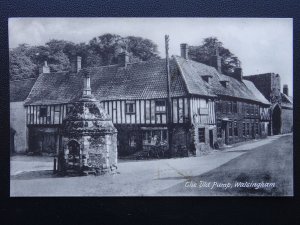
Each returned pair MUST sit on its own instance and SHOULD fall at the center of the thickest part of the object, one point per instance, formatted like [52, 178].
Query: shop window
[201, 135]
[130, 107]
[155, 137]
[244, 129]
[256, 128]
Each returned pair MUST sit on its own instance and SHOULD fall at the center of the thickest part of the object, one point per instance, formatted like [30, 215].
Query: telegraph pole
[169, 106]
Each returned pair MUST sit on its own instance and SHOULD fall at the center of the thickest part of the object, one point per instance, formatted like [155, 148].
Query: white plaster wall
[18, 123]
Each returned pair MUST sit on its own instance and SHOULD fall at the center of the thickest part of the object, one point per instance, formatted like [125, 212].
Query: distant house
[135, 96]
[19, 90]
[281, 109]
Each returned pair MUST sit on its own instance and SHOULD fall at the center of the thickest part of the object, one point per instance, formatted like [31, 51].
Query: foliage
[204, 52]
[20, 65]
[99, 51]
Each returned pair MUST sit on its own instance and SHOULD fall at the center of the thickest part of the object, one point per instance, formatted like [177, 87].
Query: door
[225, 130]
[211, 139]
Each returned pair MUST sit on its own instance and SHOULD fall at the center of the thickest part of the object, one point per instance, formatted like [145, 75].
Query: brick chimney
[75, 64]
[238, 72]
[184, 50]
[123, 59]
[286, 89]
[45, 68]
[216, 61]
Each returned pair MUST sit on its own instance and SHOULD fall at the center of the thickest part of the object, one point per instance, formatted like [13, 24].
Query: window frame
[160, 111]
[128, 103]
[45, 111]
[201, 134]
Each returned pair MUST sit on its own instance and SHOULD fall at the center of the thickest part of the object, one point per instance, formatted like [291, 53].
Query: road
[135, 178]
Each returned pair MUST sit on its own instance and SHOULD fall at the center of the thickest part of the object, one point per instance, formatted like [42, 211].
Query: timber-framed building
[208, 109]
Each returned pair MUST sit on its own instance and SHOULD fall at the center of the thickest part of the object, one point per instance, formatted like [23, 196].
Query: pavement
[32, 177]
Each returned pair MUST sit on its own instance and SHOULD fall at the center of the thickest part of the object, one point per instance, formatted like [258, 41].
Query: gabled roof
[142, 80]
[192, 72]
[20, 89]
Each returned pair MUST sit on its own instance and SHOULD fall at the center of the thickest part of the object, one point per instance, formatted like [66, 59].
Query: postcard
[151, 106]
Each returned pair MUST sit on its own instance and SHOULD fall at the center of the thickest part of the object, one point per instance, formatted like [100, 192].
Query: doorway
[276, 120]
[74, 153]
[211, 138]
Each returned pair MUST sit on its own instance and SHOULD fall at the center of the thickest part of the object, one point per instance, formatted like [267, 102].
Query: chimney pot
[75, 64]
[123, 59]
[216, 61]
[45, 68]
[184, 50]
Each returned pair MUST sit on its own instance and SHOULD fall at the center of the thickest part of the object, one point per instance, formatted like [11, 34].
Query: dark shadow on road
[41, 174]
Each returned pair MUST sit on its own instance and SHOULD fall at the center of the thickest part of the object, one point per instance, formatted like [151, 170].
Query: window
[69, 108]
[235, 131]
[229, 107]
[201, 135]
[130, 107]
[43, 111]
[219, 128]
[224, 107]
[155, 137]
[218, 106]
[248, 129]
[230, 129]
[256, 128]
[234, 107]
[56, 113]
[244, 129]
[160, 106]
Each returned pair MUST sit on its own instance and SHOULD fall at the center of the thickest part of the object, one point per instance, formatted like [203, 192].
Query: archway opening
[276, 120]
[74, 152]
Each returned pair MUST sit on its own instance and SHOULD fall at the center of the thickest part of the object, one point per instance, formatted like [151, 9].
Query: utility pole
[169, 106]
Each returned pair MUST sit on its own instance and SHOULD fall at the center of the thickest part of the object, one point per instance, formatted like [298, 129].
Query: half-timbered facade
[135, 96]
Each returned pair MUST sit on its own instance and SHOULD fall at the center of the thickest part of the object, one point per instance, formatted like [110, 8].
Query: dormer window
[225, 83]
[206, 78]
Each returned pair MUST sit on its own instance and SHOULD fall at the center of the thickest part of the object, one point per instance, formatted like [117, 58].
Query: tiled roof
[192, 72]
[140, 80]
[19, 89]
[258, 95]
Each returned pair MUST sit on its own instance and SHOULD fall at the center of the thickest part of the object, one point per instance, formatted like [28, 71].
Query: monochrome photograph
[151, 106]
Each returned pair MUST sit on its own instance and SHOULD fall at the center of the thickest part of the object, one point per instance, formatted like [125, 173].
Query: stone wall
[18, 123]
[287, 120]
[202, 148]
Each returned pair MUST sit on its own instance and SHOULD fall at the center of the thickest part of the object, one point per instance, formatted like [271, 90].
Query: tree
[144, 49]
[108, 46]
[204, 52]
[20, 64]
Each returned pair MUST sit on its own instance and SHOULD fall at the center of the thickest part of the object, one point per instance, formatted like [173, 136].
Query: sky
[262, 44]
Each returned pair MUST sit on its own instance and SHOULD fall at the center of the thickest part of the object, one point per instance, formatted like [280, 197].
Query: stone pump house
[147, 116]
[88, 137]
